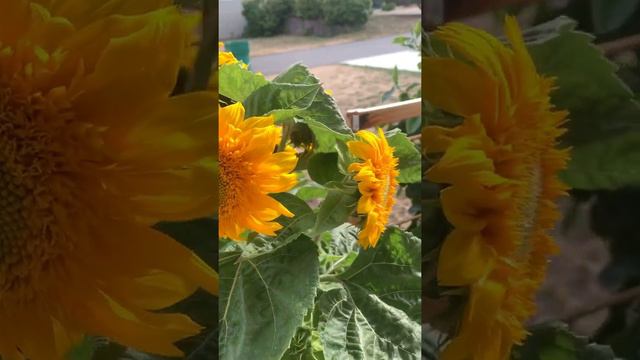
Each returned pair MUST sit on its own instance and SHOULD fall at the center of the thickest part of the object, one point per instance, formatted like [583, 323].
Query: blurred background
[593, 284]
[348, 44]
[366, 53]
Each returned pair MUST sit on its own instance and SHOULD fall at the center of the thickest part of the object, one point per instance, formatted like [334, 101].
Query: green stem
[287, 129]
[329, 278]
[207, 54]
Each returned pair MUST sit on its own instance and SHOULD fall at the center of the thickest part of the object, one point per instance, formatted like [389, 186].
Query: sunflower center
[13, 191]
[230, 179]
[27, 237]
[13, 222]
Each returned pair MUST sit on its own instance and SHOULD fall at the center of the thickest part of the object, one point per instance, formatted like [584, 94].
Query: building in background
[232, 22]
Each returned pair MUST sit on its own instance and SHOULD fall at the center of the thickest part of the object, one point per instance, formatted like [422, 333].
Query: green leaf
[264, 300]
[602, 108]
[323, 116]
[341, 240]
[237, 83]
[305, 345]
[325, 137]
[83, 350]
[357, 325]
[345, 157]
[609, 15]
[400, 40]
[391, 271]
[554, 341]
[301, 221]
[339, 249]
[283, 101]
[601, 104]
[612, 163]
[365, 316]
[296, 74]
[336, 208]
[307, 193]
[292, 228]
[410, 161]
[394, 75]
[413, 125]
[323, 168]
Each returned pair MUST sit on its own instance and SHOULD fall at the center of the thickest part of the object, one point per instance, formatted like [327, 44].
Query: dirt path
[356, 87]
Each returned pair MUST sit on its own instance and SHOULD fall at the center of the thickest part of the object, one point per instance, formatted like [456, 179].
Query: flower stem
[287, 129]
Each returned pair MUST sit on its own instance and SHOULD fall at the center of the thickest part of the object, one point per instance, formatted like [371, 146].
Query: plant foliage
[311, 292]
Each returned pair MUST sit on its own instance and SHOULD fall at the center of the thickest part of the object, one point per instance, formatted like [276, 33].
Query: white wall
[231, 20]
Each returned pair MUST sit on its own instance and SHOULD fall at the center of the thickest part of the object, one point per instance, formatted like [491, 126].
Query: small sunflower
[501, 166]
[227, 57]
[250, 171]
[93, 152]
[377, 183]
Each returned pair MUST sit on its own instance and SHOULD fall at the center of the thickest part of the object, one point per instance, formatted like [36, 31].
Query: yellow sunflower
[250, 171]
[93, 151]
[227, 57]
[376, 177]
[501, 166]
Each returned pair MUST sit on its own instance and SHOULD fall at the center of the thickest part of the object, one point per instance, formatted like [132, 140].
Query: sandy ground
[379, 25]
[357, 87]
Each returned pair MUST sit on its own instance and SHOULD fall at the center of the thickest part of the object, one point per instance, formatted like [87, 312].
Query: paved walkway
[327, 55]
[413, 10]
[404, 60]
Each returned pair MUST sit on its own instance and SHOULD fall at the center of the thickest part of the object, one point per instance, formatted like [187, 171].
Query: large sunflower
[250, 171]
[501, 166]
[376, 176]
[93, 151]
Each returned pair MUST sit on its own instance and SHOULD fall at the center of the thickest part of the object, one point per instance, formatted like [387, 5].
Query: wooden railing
[364, 118]
[384, 114]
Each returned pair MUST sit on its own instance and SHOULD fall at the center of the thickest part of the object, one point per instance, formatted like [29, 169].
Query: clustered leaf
[278, 292]
[603, 128]
[604, 115]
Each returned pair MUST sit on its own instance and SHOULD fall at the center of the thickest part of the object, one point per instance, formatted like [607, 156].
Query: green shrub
[346, 12]
[380, 3]
[388, 6]
[403, 2]
[265, 17]
[308, 9]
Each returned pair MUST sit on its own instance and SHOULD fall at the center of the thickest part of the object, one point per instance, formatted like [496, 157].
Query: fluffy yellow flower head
[376, 176]
[501, 166]
[250, 171]
[93, 151]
